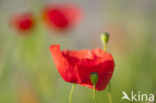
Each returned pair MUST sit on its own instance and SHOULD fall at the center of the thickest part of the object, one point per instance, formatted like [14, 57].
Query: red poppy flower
[62, 16]
[76, 66]
[23, 22]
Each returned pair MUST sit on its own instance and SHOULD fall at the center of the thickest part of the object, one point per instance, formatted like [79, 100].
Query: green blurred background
[27, 72]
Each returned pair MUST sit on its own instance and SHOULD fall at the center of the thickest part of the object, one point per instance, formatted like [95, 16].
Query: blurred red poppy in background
[23, 22]
[62, 16]
[76, 66]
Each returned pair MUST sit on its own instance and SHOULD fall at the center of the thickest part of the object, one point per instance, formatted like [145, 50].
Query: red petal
[76, 66]
[73, 13]
[23, 22]
[88, 61]
[62, 16]
[66, 70]
[104, 70]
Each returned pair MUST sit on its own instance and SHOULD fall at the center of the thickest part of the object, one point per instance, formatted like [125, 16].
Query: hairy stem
[109, 85]
[109, 93]
[71, 93]
[104, 47]
[94, 94]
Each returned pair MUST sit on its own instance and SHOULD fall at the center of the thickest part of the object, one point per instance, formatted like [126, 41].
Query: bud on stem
[94, 79]
[104, 39]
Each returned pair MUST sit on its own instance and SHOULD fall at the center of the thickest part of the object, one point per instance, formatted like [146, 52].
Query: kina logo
[138, 97]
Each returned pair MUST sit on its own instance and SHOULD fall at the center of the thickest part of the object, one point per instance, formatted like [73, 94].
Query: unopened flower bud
[94, 78]
[104, 37]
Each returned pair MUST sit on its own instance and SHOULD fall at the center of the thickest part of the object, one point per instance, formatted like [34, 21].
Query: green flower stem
[109, 93]
[104, 47]
[104, 40]
[71, 92]
[109, 85]
[94, 94]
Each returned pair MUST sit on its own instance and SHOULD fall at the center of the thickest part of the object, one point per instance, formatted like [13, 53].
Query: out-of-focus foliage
[27, 72]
